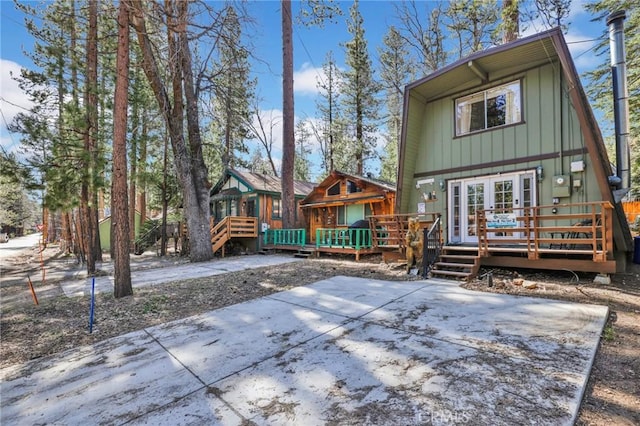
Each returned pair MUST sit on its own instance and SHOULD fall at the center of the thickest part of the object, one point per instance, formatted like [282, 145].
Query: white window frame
[512, 93]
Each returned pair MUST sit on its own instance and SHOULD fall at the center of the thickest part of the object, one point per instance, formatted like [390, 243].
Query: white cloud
[576, 9]
[13, 99]
[305, 80]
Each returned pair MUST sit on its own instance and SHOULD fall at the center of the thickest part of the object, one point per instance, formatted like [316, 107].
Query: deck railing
[432, 246]
[355, 238]
[285, 237]
[582, 228]
[389, 230]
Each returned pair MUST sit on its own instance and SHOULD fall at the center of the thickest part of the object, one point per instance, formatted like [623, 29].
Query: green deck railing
[355, 238]
[285, 237]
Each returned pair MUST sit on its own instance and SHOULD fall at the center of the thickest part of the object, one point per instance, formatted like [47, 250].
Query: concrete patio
[343, 351]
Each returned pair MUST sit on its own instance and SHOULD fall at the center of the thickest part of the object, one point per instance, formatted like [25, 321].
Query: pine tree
[328, 107]
[509, 28]
[396, 70]
[288, 119]
[233, 89]
[302, 169]
[119, 203]
[55, 147]
[359, 90]
[599, 80]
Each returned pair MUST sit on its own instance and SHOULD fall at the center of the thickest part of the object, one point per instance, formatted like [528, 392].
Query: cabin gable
[507, 128]
[247, 194]
[342, 199]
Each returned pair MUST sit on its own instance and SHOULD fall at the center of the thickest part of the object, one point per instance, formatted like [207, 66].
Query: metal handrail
[432, 246]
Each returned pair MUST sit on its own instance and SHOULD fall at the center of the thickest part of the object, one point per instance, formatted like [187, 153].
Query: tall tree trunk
[142, 164]
[121, 242]
[66, 235]
[89, 218]
[288, 118]
[360, 140]
[201, 245]
[165, 201]
[190, 167]
[510, 21]
[133, 154]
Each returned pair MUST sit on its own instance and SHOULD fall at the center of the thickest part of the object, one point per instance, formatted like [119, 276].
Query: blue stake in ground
[93, 298]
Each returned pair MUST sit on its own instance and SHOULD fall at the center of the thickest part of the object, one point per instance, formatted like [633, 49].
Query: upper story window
[490, 108]
[334, 189]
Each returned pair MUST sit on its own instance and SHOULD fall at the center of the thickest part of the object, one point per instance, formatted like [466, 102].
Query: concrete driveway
[342, 351]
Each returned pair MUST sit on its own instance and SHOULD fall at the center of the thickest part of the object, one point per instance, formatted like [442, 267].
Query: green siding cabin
[505, 148]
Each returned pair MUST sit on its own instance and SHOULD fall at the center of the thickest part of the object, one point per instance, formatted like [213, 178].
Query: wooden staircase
[305, 253]
[232, 227]
[460, 263]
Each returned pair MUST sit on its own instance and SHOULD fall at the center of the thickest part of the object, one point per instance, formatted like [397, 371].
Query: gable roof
[337, 175]
[502, 61]
[259, 182]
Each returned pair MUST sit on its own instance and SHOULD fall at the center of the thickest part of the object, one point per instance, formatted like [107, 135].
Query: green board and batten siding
[430, 139]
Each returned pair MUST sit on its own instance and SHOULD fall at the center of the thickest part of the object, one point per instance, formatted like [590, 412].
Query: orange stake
[33, 292]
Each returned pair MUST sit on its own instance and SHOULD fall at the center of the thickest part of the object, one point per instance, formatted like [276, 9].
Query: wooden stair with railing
[232, 227]
[456, 263]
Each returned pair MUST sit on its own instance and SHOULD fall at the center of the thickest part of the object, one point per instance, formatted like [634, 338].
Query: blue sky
[310, 48]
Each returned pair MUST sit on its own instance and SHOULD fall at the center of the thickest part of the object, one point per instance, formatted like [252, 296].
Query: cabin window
[352, 187]
[251, 208]
[342, 215]
[495, 107]
[334, 189]
[276, 212]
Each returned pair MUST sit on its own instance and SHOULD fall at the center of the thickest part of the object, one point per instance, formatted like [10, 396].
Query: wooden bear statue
[414, 244]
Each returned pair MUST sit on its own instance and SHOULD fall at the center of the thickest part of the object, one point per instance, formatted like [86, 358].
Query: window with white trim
[276, 212]
[498, 106]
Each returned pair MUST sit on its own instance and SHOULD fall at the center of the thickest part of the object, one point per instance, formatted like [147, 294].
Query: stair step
[450, 273]
[455, 265]
[302, 255]
[471, 259]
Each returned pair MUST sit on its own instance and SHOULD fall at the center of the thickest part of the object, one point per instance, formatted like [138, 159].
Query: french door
[497, 193]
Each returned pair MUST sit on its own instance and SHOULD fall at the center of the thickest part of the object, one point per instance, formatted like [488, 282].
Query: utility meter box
[561, 186]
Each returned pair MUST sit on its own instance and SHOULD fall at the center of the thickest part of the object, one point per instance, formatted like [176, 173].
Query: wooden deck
[576, 237]
[579, 239]
[557, 259]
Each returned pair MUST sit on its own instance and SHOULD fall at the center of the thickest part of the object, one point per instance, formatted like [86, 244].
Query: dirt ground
[59, 323]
